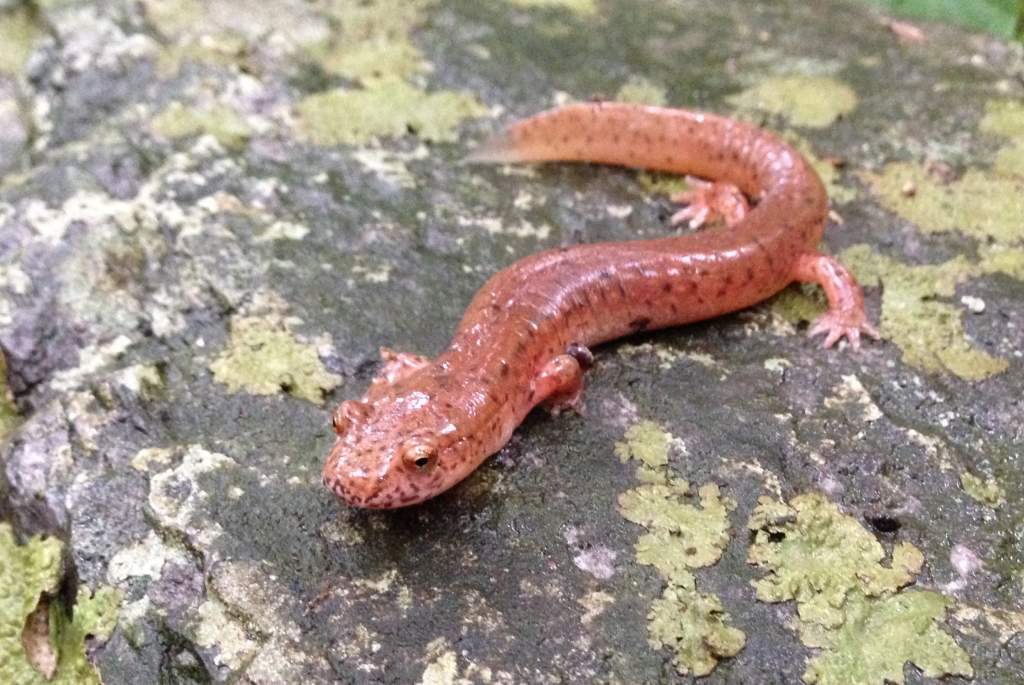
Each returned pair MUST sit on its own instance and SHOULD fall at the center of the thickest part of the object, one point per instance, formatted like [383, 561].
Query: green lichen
[642, 91]
[694, 626]
[1009, 160]
[9, 417]
[581, 7]
[880, 635]
[1003, 118]
[680, 536]
[830, 176]
[28, 573]
[818, 556]
[799, 303]
[808, 101]
[646, 442]
[228, 32]
[988, 492]
[376, 60]
[174, 16]
[212, 626]
[95, 617]
[223, 50]
[19, 31]
[981, 204]
[372, 40]
[662, 184]
[385, 108]
[849, 604]
[999, 259]
[222, 122]
[929, 332]
[263, 358]
[1006, 118]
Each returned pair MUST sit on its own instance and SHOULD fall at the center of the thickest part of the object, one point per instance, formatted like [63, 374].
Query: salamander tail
[499, 149]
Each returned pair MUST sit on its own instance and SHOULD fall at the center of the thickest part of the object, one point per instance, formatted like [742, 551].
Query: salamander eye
[419, 455]
[347, 414]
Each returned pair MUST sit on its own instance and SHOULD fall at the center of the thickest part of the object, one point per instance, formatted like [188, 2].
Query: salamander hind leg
[709, 201]
[845, 315]
[560, 385]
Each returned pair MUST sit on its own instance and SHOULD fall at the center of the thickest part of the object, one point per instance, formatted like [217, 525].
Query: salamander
[425, 424]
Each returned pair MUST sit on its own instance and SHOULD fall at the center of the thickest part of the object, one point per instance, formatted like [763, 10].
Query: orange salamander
[424, 425]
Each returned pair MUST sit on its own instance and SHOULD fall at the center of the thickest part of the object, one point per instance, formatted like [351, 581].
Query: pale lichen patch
[647, 442]
[683, 533]
[390, 166]
[177, 499]
[145, 558]
[984, 490]
[817, 555]
[220, 121]
[849, 604]
[263, 357]
[929, 332]
[1006, 118]
[386, 108]
[18, 34]
[91, 359]
[497, 226]
[880, 635]
[1002, 624]
[694, 625]
[442, 668]
[581, 7]
[667, 356]
[147, 456]
[594, 603]
[852, 391]
[213, 627]
[642, 90]
[9, 416]
[371, 40]
[980, 204]
[807, 101]
[282, 230]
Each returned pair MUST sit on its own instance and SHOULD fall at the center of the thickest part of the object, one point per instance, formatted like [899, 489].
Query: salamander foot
[707, 202]
[838, 324]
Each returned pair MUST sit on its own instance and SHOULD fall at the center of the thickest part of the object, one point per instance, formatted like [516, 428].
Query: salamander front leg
[845, 315]
[560, 385]
[709, 201]
[397, 365]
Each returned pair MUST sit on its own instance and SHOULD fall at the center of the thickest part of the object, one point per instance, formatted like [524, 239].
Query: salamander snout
[391, 450]
[358, 491]
[353, 473]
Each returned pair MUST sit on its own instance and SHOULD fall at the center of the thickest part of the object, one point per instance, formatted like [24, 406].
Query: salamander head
[392, 452]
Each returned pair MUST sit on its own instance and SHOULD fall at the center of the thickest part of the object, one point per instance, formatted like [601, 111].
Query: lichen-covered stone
[818, 556]
[880, 635]
[809, 101]
[50, 647]
[263, 358]
[694, 626]
[680, 537]
[986, 491]
[384, 108]
[213, 214]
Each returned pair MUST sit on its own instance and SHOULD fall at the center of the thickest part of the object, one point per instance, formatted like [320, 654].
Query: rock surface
[213, 214]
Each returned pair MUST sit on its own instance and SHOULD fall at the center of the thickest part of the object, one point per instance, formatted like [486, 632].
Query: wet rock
[212, 215]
